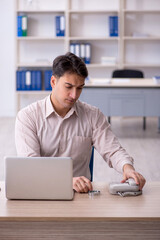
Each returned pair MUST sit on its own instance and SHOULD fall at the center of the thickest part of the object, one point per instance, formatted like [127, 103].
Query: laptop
[39, 178]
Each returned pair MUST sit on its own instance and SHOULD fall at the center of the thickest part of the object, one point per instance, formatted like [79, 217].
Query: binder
[72, 48]
[33, 80]
[38, 80]
[27, 80]
[19, 26]
[62, 26]
[18, 80]
[113, 26]
[24, 26]
[58, 32]
[23, 80]
[82, 51]
[87, 53]
[77, 49]
[116, 26]
[47, 78]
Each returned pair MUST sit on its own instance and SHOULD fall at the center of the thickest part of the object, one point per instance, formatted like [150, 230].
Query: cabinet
[137, 45]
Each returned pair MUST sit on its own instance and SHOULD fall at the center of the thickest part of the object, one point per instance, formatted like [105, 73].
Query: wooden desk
[100, 217]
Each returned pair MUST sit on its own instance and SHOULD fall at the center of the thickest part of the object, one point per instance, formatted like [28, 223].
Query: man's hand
[82, 184]
[129, 172]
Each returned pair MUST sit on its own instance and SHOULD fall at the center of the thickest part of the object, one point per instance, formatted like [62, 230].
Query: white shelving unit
[87, 21]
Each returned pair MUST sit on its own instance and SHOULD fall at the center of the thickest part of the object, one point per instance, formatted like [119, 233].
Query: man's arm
[26, 139]
[129, 172]
[107, 144]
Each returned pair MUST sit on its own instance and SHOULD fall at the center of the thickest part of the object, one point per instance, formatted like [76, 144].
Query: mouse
[131, 182]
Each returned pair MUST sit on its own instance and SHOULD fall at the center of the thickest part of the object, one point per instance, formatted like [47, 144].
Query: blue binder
[23, 80]
[18, 80]
[58, 30]
[47, 76]
[33, 80]
[87, 53]
[113, 26]
[60, 26]
[38, 80]
[19, 26]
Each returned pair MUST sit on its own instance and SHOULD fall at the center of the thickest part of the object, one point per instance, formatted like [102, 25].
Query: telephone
[129, 188]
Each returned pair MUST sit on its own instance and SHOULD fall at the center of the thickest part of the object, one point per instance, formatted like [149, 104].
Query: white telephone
[129, 188]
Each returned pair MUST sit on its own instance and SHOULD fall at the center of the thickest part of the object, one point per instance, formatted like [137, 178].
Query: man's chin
[70, 102]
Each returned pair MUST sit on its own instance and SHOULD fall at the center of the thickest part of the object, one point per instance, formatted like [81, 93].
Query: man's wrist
[127, 167]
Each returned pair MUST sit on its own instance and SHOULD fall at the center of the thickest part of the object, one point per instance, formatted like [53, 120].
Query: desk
[98, 218]
[133, 98]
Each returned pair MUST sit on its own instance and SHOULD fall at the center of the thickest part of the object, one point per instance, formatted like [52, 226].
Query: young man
[61, 125]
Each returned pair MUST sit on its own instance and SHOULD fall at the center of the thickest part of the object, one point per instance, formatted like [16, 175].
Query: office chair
[91, 164]
[128, 73]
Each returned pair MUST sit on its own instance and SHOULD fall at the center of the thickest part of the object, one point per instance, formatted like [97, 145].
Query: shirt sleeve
[107, 144]
[26, 140]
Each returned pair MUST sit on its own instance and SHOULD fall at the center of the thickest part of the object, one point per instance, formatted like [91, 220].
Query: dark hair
[69, 63]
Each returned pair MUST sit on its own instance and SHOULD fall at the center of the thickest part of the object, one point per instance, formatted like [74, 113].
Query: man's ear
[53, 81]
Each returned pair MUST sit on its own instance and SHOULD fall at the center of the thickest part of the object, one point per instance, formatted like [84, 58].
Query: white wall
[7, 58]
[7, 52]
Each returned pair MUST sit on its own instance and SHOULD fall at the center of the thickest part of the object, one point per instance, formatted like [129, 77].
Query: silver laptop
[42, 178]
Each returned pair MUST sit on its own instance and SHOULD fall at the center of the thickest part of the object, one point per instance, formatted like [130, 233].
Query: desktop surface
[100, 217]
[104, 206]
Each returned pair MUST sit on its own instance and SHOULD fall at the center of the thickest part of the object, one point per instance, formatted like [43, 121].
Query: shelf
[40, 11]
[37, 64]
[45, 64]
[93, 11]
[28, 38]
[93, 38]
[140, 65]
[142, 38]
[141, 11]
[32, 92]
[99, 65]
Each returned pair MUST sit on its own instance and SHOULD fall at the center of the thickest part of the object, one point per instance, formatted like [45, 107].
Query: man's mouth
[70, 100]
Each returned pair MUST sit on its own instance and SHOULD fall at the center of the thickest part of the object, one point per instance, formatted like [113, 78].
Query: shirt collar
[49, 106]
[50, 109]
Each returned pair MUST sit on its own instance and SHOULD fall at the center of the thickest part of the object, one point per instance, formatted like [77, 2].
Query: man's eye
[69, 87]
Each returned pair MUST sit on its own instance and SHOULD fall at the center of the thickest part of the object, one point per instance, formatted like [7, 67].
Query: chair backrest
[127, 73]
[91, 163]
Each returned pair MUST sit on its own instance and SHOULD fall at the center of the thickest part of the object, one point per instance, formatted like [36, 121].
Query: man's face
[66, 90]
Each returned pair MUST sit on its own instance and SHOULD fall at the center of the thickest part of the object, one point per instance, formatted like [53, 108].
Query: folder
[62, 26]
[82, 51]
[24, 25]
[27, 80]
[77, 49]
[18, 80]
[47, 78]
[87, 53]
[113, 26]
[19, 26]
[72, 48]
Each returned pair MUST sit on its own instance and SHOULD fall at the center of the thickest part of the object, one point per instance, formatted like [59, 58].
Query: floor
[143, 146]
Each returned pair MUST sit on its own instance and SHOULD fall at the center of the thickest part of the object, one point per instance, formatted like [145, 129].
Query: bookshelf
[87, 22]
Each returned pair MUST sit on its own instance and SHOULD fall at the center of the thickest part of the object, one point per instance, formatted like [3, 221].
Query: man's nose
[73, 94]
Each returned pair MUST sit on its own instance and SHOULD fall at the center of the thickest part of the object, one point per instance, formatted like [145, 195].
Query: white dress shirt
[40, 131]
